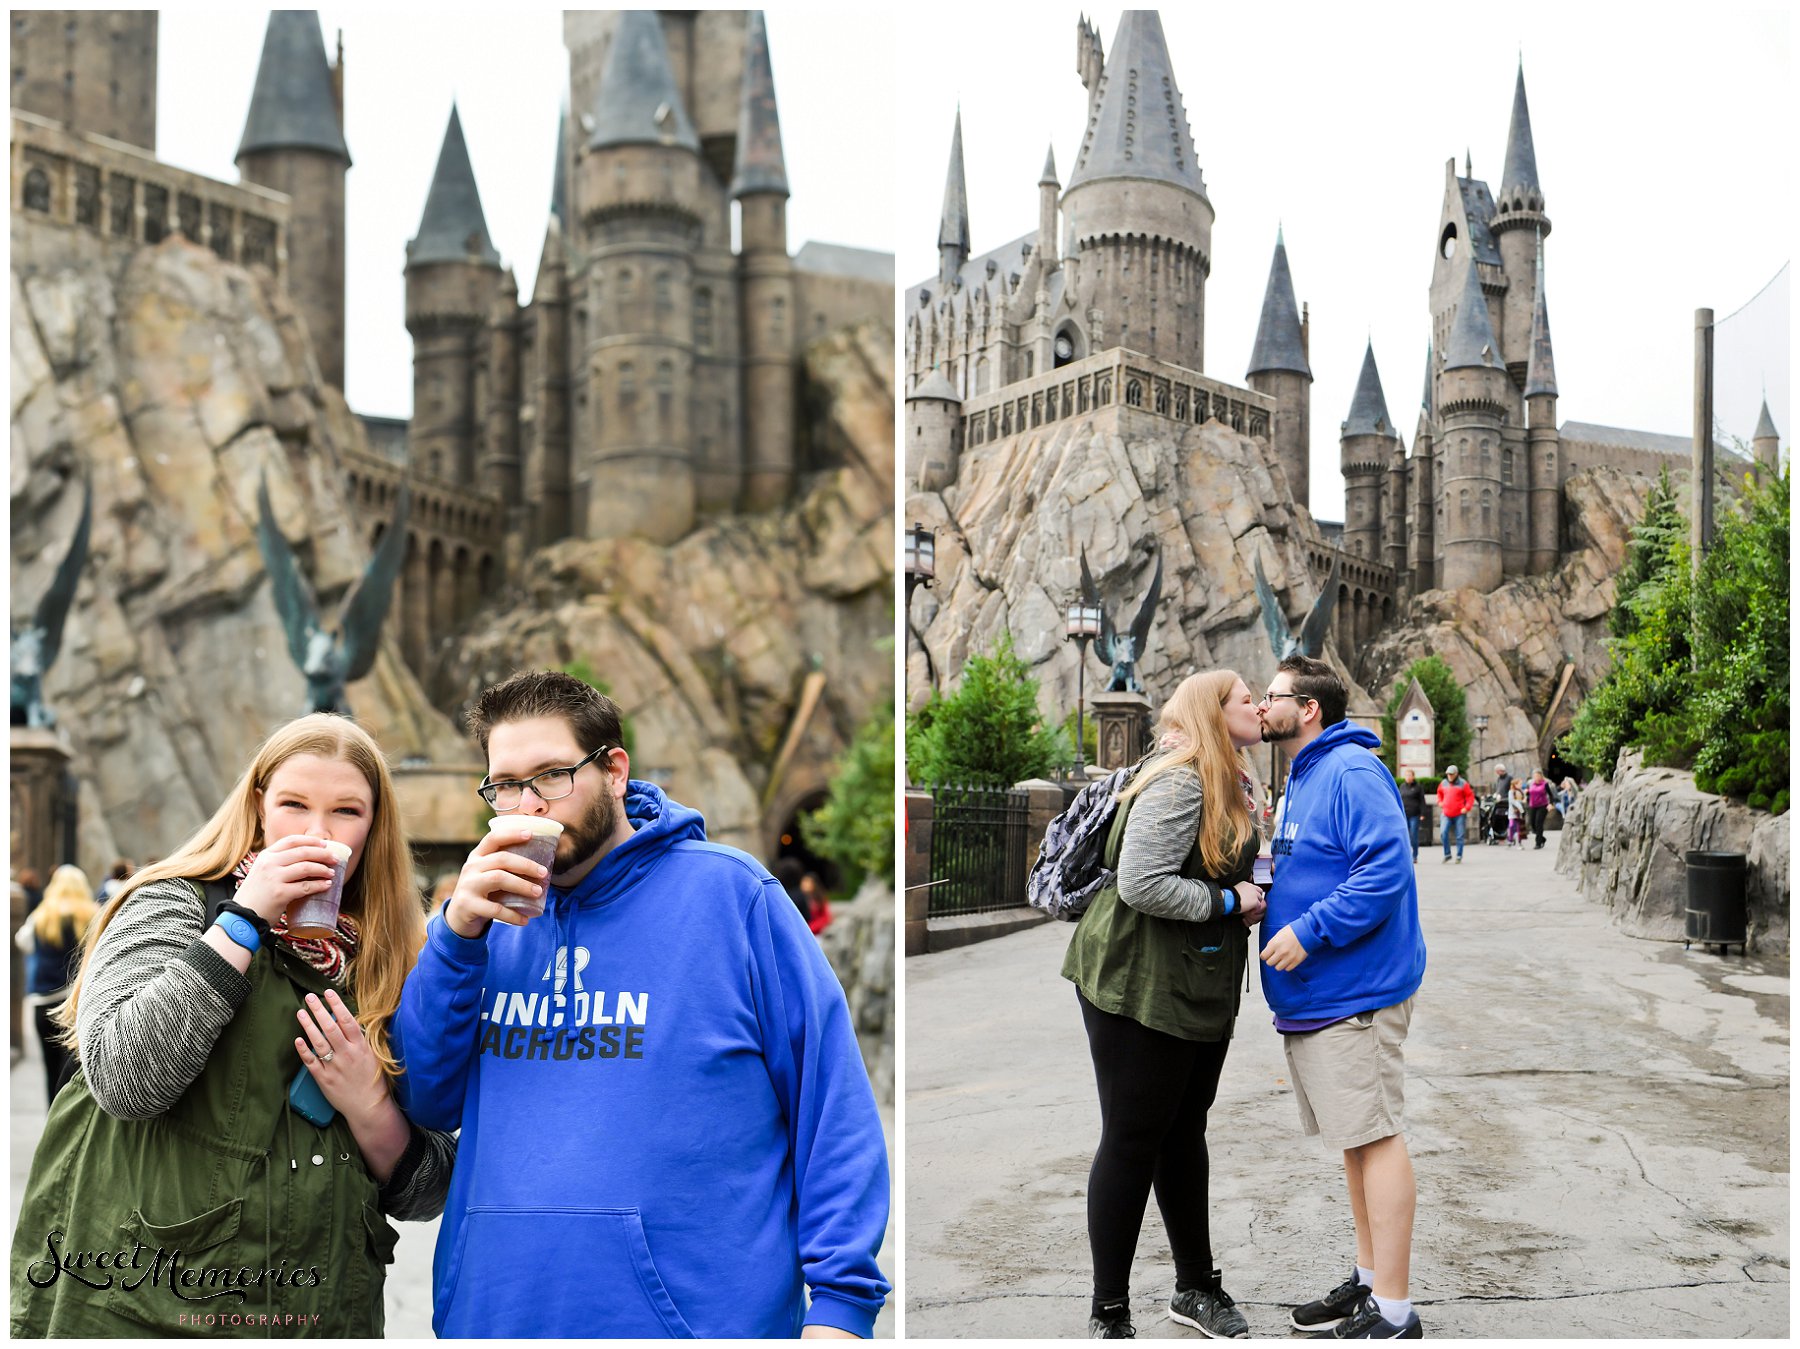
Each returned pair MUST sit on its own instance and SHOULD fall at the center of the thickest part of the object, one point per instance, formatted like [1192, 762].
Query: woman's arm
[420, 1183]
[1164, 822]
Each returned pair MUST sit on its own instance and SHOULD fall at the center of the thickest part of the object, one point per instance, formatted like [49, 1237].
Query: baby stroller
[1492, 810]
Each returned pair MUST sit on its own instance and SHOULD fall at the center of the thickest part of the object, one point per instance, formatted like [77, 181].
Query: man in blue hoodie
[1340, 973]
[667, 1129]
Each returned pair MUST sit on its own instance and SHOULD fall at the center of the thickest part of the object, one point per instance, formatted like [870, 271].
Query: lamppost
[1084, 626]
[921, 560]
[1480, 725]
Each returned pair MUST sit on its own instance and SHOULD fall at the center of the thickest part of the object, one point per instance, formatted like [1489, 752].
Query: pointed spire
[1048, 176]
[1521, 158]
[953, 225]
[1765, 424]
[1472, 336]
[1140, 127]
[292, 106]
[453, 228]
[638, 103]
[1540, 375]
[1278, 345]
[1368, 409]
[559, 183]
[551, 265]
[760, 166]
[1468, 163]
[1425, 397]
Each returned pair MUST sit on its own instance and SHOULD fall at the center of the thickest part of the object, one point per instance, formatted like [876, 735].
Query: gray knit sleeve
[1164, 822]
[421, 1180]
[154, 1003]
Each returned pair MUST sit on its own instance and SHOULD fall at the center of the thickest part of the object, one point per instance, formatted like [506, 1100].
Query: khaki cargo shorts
[1349, 1077]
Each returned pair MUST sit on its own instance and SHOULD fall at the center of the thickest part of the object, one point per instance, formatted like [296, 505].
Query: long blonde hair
[1195, 714]
[379, 896]
[68, 905]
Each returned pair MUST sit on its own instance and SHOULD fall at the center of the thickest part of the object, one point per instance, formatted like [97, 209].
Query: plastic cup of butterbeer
[539, 848]
[317, 915]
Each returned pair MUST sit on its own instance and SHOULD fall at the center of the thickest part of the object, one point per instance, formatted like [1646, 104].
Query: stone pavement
[1599, 1127]
[409, 1277]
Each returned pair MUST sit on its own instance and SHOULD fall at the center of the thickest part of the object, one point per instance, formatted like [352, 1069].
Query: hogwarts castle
[1105, 303]
[649, 381]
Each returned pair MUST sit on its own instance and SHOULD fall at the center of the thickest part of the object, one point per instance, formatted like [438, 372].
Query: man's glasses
[1268, 698]
[550, 785]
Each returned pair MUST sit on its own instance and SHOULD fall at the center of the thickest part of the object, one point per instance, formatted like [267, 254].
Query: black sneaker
[1367, 1323]
[1210, 1311]
[1334, 1307]
[1099, 1328]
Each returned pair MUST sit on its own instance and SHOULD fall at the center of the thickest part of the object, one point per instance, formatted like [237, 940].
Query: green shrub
[855, 826]
[988, 732]
[1450, 731]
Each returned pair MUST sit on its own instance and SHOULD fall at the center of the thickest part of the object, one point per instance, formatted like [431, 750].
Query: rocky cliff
[1626, 844]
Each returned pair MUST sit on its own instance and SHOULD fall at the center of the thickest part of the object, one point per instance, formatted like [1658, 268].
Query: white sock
[1366, 1277]
[1395, 1311]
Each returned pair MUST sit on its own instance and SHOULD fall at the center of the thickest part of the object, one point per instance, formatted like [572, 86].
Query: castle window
[1162, 401]
[1487, 510]
[1506, 466]
[627, 280]
[37, 190]
[219, 222]
[778, 319]
[981, 374]
[120, 190]
[665, 394]
[187, 207]
[703, 319]
[1134, 394]
[664, 303]
[87, 195]
[627, 383]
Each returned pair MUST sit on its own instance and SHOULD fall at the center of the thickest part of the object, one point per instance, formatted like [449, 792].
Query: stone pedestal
[42, 812]
[1124, 720]
[917, 871]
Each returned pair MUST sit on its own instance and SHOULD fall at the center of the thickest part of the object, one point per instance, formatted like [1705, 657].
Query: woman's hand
[337, 1054]
[1251, 901]
[288, 870]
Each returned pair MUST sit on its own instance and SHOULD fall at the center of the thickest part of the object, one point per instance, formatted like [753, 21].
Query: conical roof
[1140, 126]
[1278, 345]
[1368, 408]
[1049, 173]
[1521, 158]
[953, 224]
[936, 386]
[453, 228]
[559, 183]
[1425, 397]
[1540, 375]
[292, 106]
[1472, 336]
[1765, 425]
[638, 103]
[760, 166]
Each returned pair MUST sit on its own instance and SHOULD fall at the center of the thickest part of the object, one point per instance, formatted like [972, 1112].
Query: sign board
[1415, 747]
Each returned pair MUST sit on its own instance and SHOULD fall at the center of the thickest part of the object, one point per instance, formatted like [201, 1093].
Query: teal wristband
[240, 929]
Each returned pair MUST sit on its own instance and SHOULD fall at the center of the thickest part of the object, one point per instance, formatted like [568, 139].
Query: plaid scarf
[330, 956]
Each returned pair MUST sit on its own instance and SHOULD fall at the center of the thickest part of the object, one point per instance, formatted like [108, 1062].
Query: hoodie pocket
[561, 1272]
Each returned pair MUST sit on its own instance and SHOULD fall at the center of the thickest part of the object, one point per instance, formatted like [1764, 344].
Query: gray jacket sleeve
[416, 1191]
[155, 1001]
[1164, 821]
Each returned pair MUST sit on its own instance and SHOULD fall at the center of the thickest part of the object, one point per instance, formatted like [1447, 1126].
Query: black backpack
[1071, 862]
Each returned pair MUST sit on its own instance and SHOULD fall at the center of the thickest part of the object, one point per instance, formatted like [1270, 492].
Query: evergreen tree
[989, 732]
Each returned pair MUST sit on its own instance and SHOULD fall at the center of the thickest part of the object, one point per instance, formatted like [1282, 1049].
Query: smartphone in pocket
[308, 1101]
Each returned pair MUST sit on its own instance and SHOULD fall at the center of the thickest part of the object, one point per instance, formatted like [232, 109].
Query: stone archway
[782, 836]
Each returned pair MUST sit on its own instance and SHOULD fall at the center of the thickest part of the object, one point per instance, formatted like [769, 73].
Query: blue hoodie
[1344, 880]
[671, 1139]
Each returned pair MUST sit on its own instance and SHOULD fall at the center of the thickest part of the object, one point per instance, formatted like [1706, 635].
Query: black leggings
[1535, 814]
[1155, 1090]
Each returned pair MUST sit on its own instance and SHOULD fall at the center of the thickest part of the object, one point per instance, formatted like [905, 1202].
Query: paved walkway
[1599, 1127]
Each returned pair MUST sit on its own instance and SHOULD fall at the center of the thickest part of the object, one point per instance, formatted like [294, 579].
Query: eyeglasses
[550, 785]
[1268, 698]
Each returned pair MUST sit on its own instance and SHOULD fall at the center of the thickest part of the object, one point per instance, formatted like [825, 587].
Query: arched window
[1162, 401]
[981, 374]
[665, 394]
[1134, 394]
[37, 190]
[703, 319]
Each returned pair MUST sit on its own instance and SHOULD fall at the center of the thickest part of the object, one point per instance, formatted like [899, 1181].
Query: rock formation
[1626, 846]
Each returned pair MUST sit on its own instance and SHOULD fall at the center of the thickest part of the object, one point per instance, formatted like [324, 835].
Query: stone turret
[1518, 225]
[1049, 189]
[1765, 444]
[1473, 395]
[1135, 210]
[452, 270]
[500, 418]
[293, 142]
[953, 221]
[933, 433]
[643, 207]
[1421, 495]
[759, 185]
[1366, 447]
[1543, 442]
[1279, 368]
[545, 470]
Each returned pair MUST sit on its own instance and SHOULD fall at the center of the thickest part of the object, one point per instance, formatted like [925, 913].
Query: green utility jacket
[1184, 979]
[228, 1215]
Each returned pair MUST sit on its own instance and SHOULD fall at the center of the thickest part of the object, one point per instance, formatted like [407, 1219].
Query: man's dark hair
[1316, 680]
[592, 716]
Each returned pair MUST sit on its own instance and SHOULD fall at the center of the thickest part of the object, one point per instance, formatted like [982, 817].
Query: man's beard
[584, 837]
[1272, 733]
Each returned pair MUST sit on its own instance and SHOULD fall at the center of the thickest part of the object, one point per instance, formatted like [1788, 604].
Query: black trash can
[1716, 907]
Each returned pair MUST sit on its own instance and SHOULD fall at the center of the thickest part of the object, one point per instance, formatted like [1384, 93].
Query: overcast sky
[1664, 146]
[508, 70]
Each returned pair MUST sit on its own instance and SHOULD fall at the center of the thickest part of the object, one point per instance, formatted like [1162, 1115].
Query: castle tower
[640, 194]
[1135, 211]
[452, 270]
[1473, 393]
[933, 433]
[1518, 224]
[1366, 446]
[1279, 368]
[293, 142]
[90, 69]
[1543, 441]
[546, 467]
[953, 223]
[759, 185]
[1049, 190]
[1765, 445]
[500, 430]
[1421, 496]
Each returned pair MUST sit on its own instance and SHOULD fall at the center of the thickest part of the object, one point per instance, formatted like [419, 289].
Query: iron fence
[978, 849]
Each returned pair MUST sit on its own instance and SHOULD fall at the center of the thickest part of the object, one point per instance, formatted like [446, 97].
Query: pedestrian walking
[1515, 815]
[116, 876]
[1455, 799]
[1537, 805]
[189, 1137]
[1340, 973]
[817, 907]
[1412, 800]
[51, 940]
[1565, 800]
[1158, 962]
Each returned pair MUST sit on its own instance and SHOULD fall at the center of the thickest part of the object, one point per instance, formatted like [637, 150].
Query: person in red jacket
[1455, 798]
